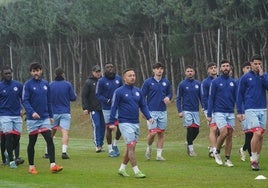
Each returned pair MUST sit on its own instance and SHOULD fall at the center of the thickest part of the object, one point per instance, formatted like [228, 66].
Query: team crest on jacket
[196, 86]
[164, 83]
[45, 87]
[15, 89]
[231, 84]
[137, 94]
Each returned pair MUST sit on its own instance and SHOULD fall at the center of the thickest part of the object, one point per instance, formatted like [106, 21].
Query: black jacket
[89, 100]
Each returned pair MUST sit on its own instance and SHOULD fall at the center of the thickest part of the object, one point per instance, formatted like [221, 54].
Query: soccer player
[158, 93]
[39, 117]
[187, 102]
[62, 93]
[92, 106]
[104, 92]
[252, 105]
[248, 133]
[10, 114]
[205, 85]
[128, 100]
[221, 102]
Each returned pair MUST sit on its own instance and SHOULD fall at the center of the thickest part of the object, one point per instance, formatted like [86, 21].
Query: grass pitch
[89, 169]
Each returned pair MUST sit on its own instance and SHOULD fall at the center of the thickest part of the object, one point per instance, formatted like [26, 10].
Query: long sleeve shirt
[188, 95]
[222, 95]
[10, 98]
[155, 92]
[128, 100]
[205, 85]
[105, 90]
[36, 98]
[62, 93]
[251, 92]
[89, 99]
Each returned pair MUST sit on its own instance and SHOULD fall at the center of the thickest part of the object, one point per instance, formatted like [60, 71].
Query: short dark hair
[158, 65]
[126, 70]
[246, 63]
[6, 68]
[211, 64]
[256, 57]
[59, 71]
[35, 65]
[224, 61]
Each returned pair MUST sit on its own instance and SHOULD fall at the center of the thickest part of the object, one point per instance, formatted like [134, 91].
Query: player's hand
[151, 120]
[181, 114]
[166, 100]
[85, 112]
[51, 120]
[35, 115]
[209, 119]
[113, 127]
[240, 117]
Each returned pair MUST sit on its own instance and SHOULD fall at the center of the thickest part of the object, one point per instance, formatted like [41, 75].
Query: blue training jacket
[36, 98]
[105, 89]
[188, 95]
[251, 93]
[62, 93]
[128, 100]
[205, 85]
[222, 95]
[10, 98]
[155, 92]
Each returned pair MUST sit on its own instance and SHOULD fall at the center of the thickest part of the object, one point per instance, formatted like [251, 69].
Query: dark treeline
[186, 33]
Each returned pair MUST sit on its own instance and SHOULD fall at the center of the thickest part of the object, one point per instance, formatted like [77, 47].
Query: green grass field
[89, 169]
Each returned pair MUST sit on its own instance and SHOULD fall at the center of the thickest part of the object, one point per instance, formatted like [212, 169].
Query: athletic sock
[122, 166]
[159, 152]
[110, 148]
[64, 148]
[136, 169]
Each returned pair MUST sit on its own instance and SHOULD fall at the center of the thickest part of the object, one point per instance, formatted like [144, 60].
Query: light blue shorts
[224, 119]
[190, 118]
[11, 123]
[160, 120]
[62, 120]
[106, 115]
[255, 118]
[35, 125]
[130, 132]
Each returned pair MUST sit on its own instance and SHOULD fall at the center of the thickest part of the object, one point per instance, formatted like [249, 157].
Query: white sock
[31, 166]
[254, 156]
[191, 147]
[115, 142]
[64, 148]
[46, 150]
[135, 169]
[122, 166]
[52, 164]
[159, 152]
[110, 147]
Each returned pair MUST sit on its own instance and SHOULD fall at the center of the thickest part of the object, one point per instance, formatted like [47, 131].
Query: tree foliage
[186, 32]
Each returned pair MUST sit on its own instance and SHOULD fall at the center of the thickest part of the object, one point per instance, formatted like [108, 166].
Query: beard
[109, 75]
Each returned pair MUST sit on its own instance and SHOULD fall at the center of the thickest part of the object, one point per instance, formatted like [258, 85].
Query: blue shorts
[190, 118]
[224, 119]
[130, 132]
[11, 123]
[160, 120]
[106, 115]
[62, 120]
[255, 118]
[38, 125]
